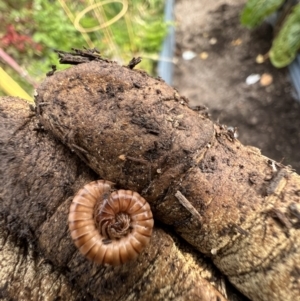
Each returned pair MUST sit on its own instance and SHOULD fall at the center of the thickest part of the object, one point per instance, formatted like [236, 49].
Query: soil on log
[39, 176]
[227, 200]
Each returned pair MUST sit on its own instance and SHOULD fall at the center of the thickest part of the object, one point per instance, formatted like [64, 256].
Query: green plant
[255, 11]
[286, 43]
[40, 26]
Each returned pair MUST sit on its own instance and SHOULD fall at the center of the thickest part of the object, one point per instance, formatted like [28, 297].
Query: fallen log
[227, 200]
[39, 177]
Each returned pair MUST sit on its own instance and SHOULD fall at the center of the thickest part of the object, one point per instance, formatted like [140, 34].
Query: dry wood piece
[187, 204]
[112, 112]
[39, 178]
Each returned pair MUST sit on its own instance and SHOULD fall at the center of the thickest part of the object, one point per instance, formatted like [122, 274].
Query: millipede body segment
[109, 227]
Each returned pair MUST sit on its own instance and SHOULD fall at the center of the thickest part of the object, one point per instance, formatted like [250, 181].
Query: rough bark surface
[235, 205]
[39, 176]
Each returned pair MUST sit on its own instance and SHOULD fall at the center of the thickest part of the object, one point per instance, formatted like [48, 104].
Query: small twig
[90, 53]
[134, 62]
[280, 217]
[79, 56]
[240, 230]
[137, 160]
[187, 205]
[50, 73]
[79, 148]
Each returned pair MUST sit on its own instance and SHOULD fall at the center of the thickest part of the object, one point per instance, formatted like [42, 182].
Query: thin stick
[187, 204]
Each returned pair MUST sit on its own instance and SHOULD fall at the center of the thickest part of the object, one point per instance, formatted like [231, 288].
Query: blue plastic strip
[165, 64]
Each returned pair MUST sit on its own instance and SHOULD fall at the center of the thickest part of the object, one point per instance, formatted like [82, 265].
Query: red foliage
[19, 41]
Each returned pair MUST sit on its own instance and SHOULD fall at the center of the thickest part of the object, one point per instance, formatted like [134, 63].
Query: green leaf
[256, 11]
[287, 43]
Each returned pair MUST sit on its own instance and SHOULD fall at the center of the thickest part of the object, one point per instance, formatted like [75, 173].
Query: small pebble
[266, 79]
[237, 42]
[213, 41]
[188, 55]
[252, 79]
[259, 59]
[203, 55]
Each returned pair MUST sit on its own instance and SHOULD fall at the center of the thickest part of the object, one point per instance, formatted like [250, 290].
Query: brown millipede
[109, 227]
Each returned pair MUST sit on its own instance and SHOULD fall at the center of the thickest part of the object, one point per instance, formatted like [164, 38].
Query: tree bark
[225, 199]
[39, 176]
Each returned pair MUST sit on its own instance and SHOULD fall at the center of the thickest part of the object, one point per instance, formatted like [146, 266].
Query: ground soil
[266, 117]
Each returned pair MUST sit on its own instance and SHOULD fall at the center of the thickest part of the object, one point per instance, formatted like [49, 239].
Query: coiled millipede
[109, 227]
